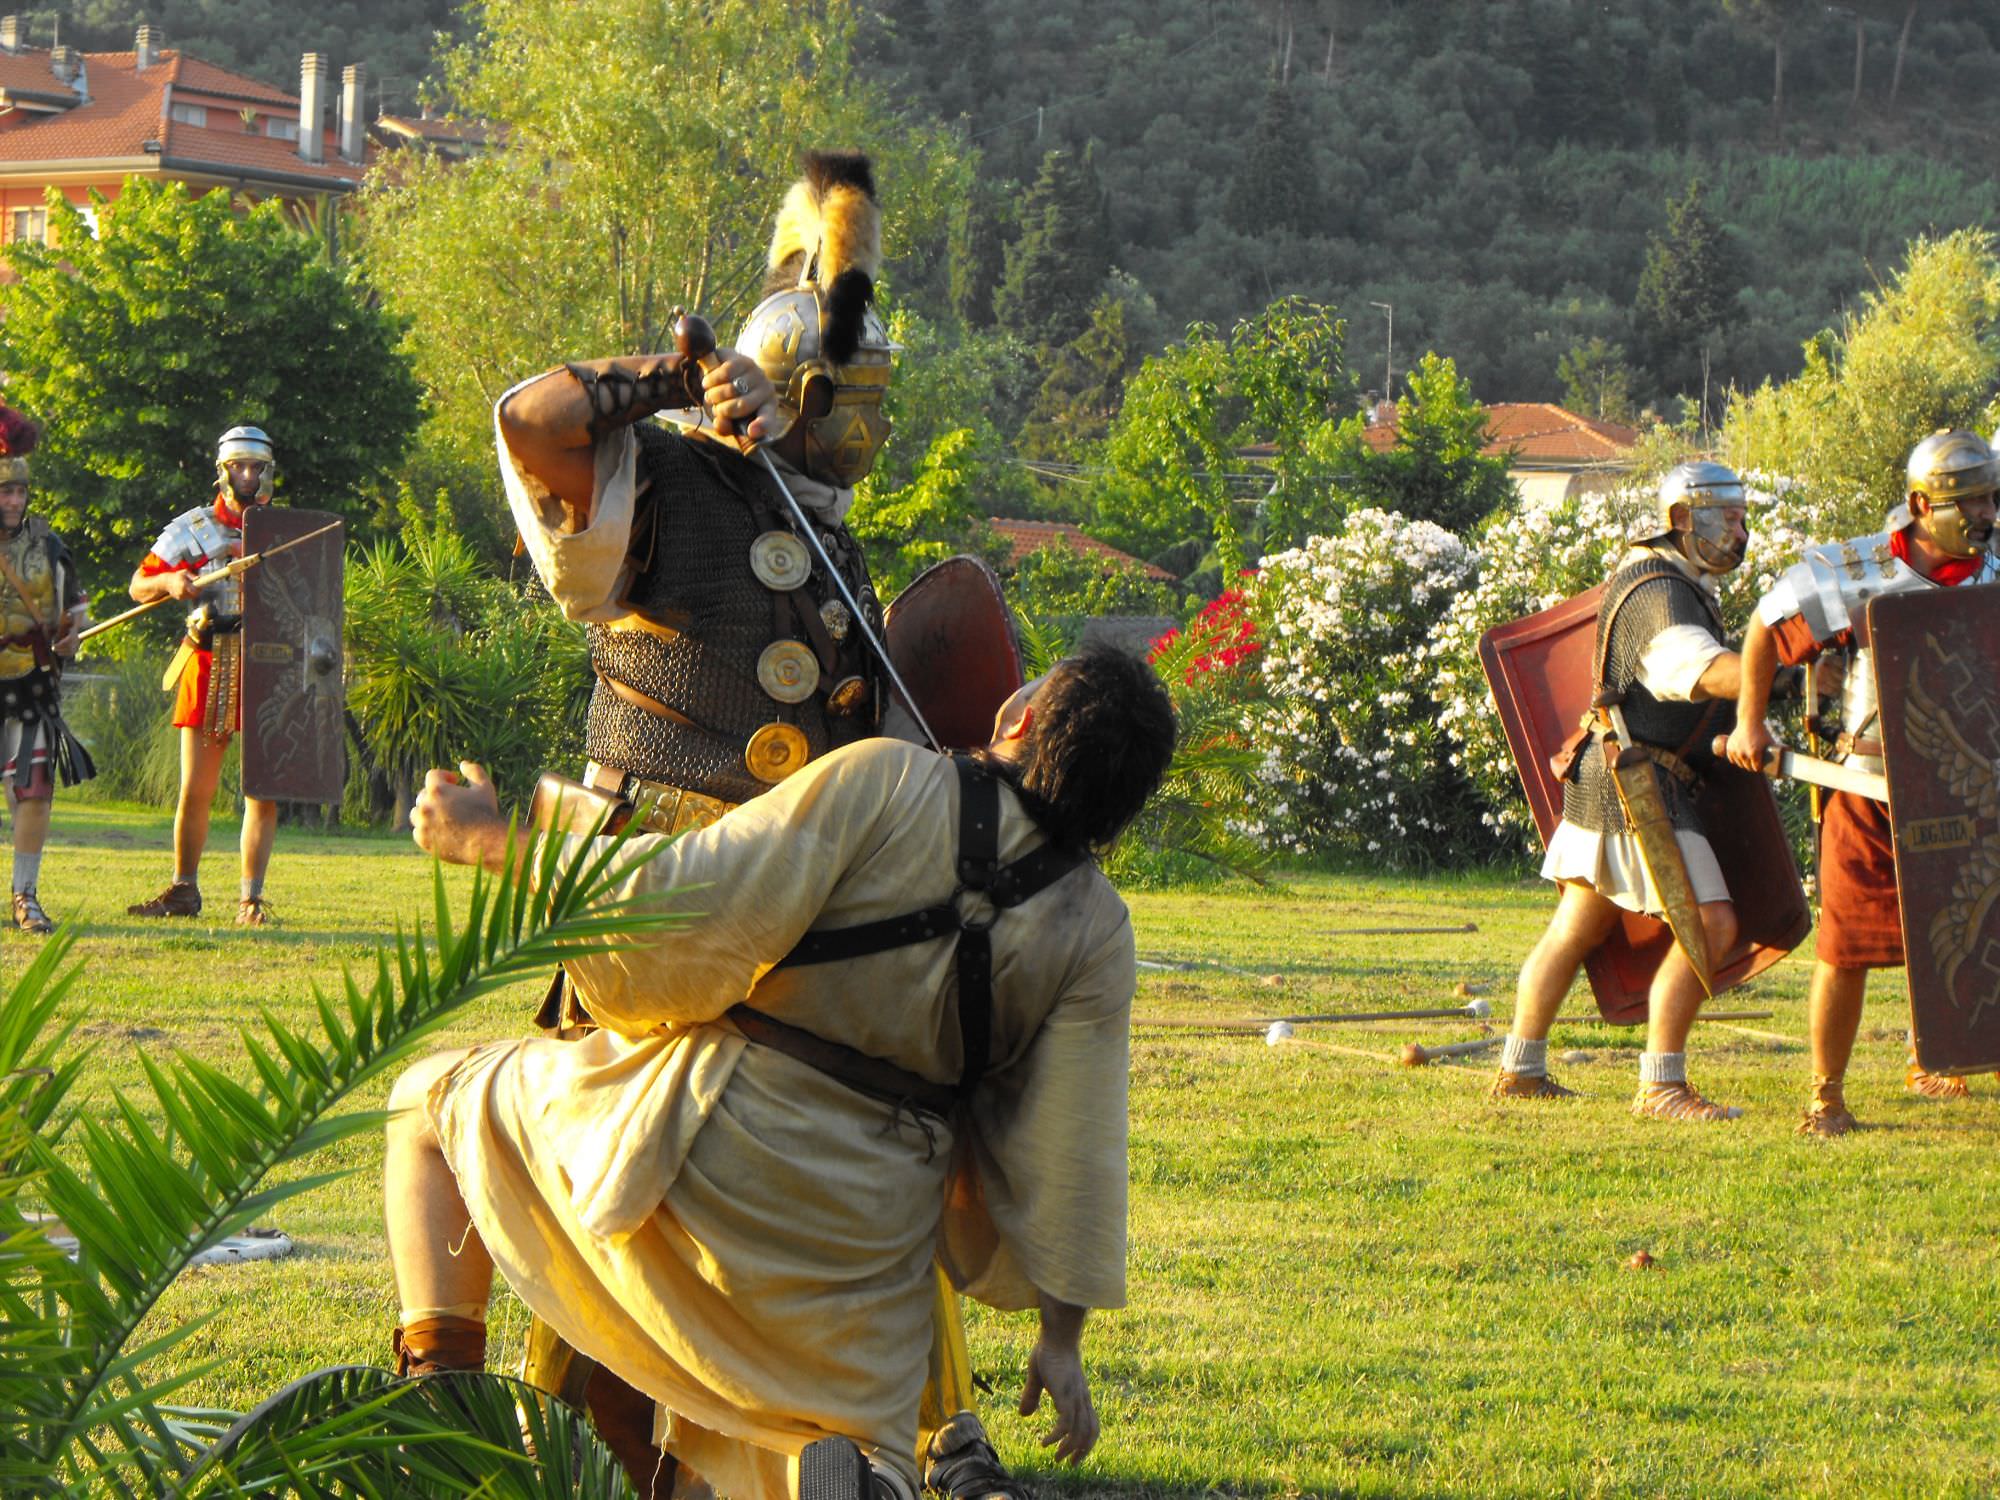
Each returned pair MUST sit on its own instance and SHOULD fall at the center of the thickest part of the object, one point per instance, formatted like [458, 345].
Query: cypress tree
[1055, 268]
[1689, 282]
[1277, 187]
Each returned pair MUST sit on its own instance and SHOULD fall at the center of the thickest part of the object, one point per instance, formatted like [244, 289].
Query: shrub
[1354, 758]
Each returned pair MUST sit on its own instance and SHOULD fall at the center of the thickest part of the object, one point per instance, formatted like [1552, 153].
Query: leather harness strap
[980, 874]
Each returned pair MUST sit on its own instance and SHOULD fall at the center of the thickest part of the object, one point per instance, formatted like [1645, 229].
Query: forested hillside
[1492, 169]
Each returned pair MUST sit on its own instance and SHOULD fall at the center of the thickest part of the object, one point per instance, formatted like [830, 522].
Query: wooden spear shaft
[213, 575]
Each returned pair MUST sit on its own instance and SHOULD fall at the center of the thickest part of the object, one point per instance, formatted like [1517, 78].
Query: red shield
[294, 739]
[952, 640]
[1937, 676]
[1540, 671]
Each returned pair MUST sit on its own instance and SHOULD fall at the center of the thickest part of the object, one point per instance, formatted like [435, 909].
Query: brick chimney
[353, 112]
[13, 34]
[312, 107]
[144, 53]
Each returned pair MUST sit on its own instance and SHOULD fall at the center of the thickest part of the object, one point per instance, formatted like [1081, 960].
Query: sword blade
[1829, 774]
[811, 534]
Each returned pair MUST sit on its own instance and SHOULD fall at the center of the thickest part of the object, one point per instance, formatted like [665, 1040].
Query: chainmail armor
[691, 546]
[1666, 598]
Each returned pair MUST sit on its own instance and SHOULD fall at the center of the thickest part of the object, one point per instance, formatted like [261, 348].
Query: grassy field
[1347, 1278]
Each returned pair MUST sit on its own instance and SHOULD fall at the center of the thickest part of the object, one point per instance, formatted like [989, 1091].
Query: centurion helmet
[246, 442]
[1707, 490]
[1947, 468]
[816, 328]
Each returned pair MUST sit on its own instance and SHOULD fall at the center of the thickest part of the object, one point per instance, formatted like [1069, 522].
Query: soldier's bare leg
[1671, 1007]
[443, 1273]
[201, 773]
[201, 770]
[260, 831]
[1833, 1011]
[30, 821]
[1582, 920]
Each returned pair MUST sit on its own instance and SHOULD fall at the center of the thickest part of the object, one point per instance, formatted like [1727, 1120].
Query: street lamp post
[1389, 359]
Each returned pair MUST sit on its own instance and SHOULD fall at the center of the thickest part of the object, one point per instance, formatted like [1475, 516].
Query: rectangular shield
[1540, 671]
[1937, 676]
[294, 729]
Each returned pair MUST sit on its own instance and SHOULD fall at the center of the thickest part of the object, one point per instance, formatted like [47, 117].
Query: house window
[189, 114]
[31, 226]
[283, 130]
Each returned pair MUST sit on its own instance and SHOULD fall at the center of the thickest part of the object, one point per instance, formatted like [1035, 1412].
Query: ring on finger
[742, 384]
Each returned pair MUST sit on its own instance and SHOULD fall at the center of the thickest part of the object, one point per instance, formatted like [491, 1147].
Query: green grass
[1347, 1278]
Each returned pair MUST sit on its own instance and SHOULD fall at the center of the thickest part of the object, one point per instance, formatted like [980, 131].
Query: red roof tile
[1024, 537]
[1533, 432]
[127, 109]
[28, 72]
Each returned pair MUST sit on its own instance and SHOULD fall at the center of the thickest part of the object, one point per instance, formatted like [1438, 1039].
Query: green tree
[1084, 385]
[1777, 22]
[936, 515]
[1190, 410]
[649, 144]
[1055, 269]
[177, 319]
[976, 254]
[1596, 380]
[1920, 354]
[1277, 187]
[1687, 287]
[1437, 470]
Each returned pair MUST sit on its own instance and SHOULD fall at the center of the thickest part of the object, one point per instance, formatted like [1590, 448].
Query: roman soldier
[1663, 662]
[1939, 537]
[42, 613]
[206, 676]
[726, 656]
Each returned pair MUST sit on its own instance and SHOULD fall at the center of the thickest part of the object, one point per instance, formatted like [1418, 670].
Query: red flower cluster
[1222, 636]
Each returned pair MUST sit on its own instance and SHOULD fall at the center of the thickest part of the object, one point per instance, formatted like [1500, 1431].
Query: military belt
[660, 807]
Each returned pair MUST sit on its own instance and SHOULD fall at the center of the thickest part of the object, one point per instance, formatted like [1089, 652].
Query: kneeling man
[897, 1031]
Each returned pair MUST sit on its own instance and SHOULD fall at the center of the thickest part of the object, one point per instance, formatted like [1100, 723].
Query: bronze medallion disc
[775, 751]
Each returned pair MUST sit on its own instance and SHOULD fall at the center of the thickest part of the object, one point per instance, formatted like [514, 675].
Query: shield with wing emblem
[294, 743]
[1937, 673]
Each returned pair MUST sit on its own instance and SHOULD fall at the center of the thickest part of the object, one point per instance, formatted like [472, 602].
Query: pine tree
[1055, 268]
[975, 257]
[1277, 187]
[1686, 289]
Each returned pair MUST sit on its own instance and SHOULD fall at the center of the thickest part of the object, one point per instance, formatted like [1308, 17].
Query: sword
[214, 575]
[1780, 763]
[1646, 814]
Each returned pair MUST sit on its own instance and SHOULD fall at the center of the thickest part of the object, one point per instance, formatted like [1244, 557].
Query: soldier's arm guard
[623, 391]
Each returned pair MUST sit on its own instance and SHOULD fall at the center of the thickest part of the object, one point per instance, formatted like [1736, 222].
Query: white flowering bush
[1353, 756]
[1533, 559]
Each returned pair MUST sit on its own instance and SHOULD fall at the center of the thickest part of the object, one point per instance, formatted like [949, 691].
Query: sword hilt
[1773, 754]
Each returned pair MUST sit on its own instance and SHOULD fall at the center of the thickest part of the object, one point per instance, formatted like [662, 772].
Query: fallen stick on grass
[1399, 931]
[1721, 1015]
[1417, 1056]
[1478, 1010]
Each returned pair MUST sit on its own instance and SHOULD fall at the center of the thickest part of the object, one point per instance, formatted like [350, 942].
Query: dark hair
[1098, 745]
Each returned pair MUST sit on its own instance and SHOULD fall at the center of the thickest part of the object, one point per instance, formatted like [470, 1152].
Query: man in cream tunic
[742, 1237]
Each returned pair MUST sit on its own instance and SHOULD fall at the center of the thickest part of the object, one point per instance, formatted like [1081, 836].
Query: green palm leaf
[77, 1406]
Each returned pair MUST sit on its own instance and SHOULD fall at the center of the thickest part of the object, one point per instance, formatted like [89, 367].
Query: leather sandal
[1827, 1114]
[1527, 1086]
[28, 913]
[960, 1464]
[1679, 1101]
[181, 899]
[1933, 1085]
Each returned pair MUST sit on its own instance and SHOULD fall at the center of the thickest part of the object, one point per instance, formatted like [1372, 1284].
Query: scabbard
[183, 654]
[1659, 849]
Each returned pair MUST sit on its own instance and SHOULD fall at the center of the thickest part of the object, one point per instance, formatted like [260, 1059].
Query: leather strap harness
[985, 889]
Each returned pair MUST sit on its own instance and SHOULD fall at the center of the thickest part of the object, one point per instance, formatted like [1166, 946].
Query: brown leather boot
[1827, 1114]
[431, 1346]
[181, 899]
[1933, 1085]
[1527, 1086]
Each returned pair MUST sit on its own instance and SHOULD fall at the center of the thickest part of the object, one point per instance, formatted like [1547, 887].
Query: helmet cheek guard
[1707, 491]
[250, 443]
[1948, 469]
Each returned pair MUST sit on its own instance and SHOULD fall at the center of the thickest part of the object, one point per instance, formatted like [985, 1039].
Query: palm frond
[77, 1405]
[357, 1430]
